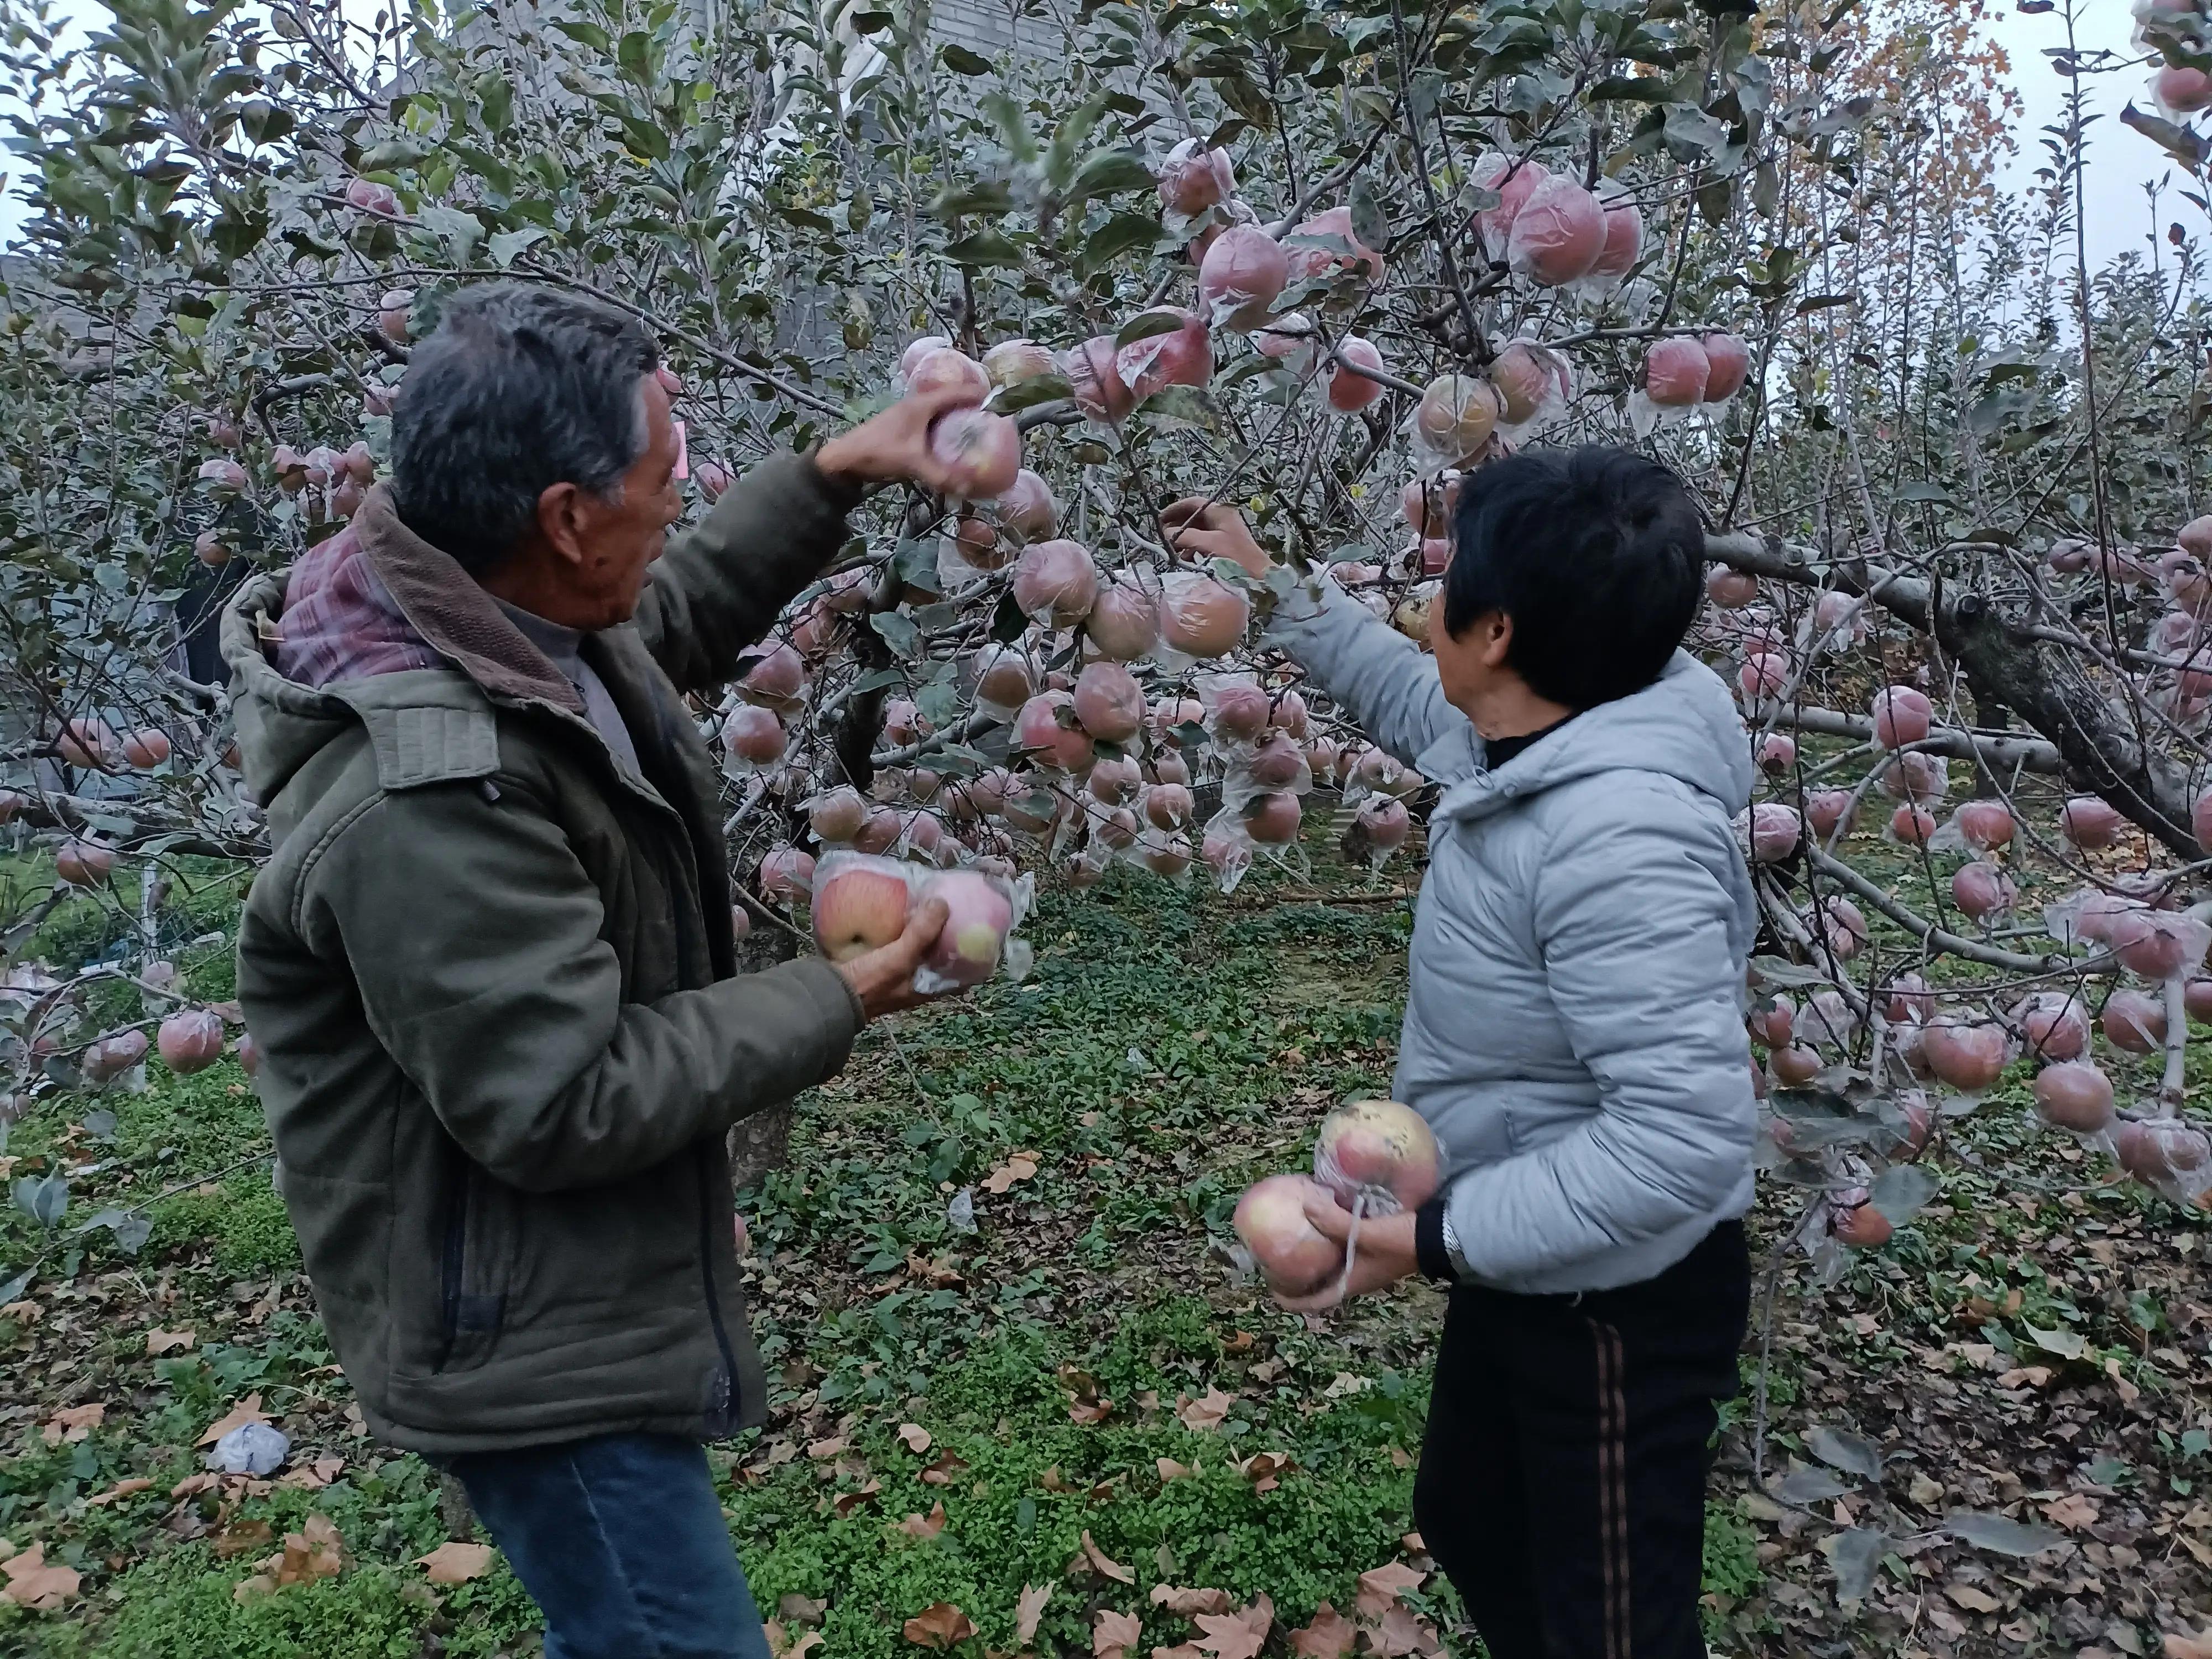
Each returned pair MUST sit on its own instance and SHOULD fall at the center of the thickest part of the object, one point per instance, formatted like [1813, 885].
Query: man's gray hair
[519, 388]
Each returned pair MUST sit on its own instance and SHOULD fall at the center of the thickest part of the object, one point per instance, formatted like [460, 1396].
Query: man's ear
[562, 510]
[1496, 638]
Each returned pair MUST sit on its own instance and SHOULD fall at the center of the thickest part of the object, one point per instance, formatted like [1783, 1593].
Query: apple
[1201, 618]
[1310, 262]
[1015, 362]
[191, 1040]
[1901, 715]
[1675, 371]
[2075, 1095]
[1297, 1257]
[1728, 363]
[978, 915]
[1026, 507]
[838, 815]
[754, 735]
[948, 370]
[1558, 235]
[980, 452]
[1182, 355]
[859, 908]
[1039, 733]
[1241, 277]
[1514, 182]
[1055, 583]
[147, 749]
[1194, 177]
[1108, 702]
[1350, 391]
[1456, 416]
[1379, 1148]
[1100, 392]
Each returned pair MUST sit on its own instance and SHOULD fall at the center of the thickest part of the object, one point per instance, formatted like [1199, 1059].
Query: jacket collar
[456, 617]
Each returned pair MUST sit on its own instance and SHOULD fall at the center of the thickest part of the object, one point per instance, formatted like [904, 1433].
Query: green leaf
[1179, 408]
[645, 138]
[2067, 1344]
[1007, 622]
[984, 249]
[961, 61]
[879, 679]
[1812, 302]
[2179, 141]
[1044, 389]
[462, 230]
[1902, 1191]
[1119, 234]
[897, 632]
[1634, 89]
[506, 244]
[1148, 324]
[806, 217]
[1924, 490]
[1369, 223]
[987, 196]
[1109, 173]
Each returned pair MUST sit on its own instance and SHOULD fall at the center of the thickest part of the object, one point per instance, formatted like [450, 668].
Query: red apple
[859, 908]
[979, 917]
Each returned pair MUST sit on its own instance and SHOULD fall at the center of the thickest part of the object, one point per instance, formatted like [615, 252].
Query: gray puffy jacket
[1574, 1029]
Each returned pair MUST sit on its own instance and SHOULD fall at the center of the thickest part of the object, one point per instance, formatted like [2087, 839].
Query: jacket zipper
[714, 1302]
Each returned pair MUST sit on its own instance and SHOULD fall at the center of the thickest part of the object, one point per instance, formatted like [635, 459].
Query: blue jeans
[620, 1541]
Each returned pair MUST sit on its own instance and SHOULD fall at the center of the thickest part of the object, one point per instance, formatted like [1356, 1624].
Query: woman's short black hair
[1597, 554]
[520, 388]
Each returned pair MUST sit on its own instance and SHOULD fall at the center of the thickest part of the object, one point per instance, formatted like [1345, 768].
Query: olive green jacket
[491, 975]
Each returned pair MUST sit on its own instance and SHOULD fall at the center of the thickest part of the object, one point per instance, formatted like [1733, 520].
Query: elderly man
[490, 965]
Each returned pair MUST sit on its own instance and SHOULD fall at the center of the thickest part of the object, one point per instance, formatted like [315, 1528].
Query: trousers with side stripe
[1562, 1483]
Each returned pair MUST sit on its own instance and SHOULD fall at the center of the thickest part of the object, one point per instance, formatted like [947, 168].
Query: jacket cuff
[840, 494]
[1429, 1242]
[839, 1005]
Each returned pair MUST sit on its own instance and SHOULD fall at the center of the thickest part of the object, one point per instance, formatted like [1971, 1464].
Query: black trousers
[1562, 1484]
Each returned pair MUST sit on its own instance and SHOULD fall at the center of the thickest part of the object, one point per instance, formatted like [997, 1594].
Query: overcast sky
[2120, 162]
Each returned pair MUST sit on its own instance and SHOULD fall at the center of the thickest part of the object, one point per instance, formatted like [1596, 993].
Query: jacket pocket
[476, 1255]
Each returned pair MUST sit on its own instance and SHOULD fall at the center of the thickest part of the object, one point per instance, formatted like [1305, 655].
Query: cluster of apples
[1376, 1156]
[861, 903]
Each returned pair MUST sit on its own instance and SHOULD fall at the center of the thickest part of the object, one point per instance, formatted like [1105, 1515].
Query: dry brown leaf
[801, 1609]
[162, 1342]
[1171, 1470]
[313, 1477]
[243, 1538]
[2072, 1512]
[1028, 1610]
[915, 1437]
[1413, 1544]
[1113, 1634]
[1020, 1166]
[1189, 1603]
[73, 1423]
[1103, 1563]
[1403, 1632]
[945, 1471]
[846, 1502]
[455, 1563]
[1381, 1587]
[819, 1449]
[939, 1625]
[2198, 1646]
[35, 1582]
[247, 1410]
[1206, 1411]
[1329, 1637]
[1265, 1470]
[1180, 1651]
[192, 1484]
[120, 1489]
[925, 1526]
[1239, 1634]
[1973, 1600]
[313, 1552]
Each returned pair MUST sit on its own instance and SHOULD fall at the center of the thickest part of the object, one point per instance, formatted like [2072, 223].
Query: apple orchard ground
[2036, 1344]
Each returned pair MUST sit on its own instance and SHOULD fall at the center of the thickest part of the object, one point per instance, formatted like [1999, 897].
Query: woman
[1573, 1033]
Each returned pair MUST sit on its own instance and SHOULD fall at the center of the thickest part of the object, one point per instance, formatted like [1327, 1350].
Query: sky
[2121, 161]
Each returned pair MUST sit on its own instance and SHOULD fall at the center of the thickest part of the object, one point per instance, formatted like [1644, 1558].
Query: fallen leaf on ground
[1265, 1470]
[801, 1609]
[1206, 1411]
[313, 1477]
[1112, 1634]
[1239, 1634]
[162, 1342]
[819, 1449]
[1329, 1637]
[35, 1582]
[1189, 1603]
[1171, 1470]
[1403, 1632]
[2072, 1512]
[243, 1538]
[1020, 1167]
[2198, 1646]
[1971, 1599]
[456, 1563]
[120, 1489]
[1413, 1544]
[193, 1485]
[314, 1552]
[1084, 1405]
[1381, 1587]
[938, 1626]
[945, 1470]
[925, 1526]
[73, 1423]
[1028, 1610]
[247, 1410]
[1104, 1563]
[915, 1437]
[846, 1502]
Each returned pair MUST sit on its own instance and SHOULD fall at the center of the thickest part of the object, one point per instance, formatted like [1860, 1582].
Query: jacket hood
[376, 626]
[1683, 725]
